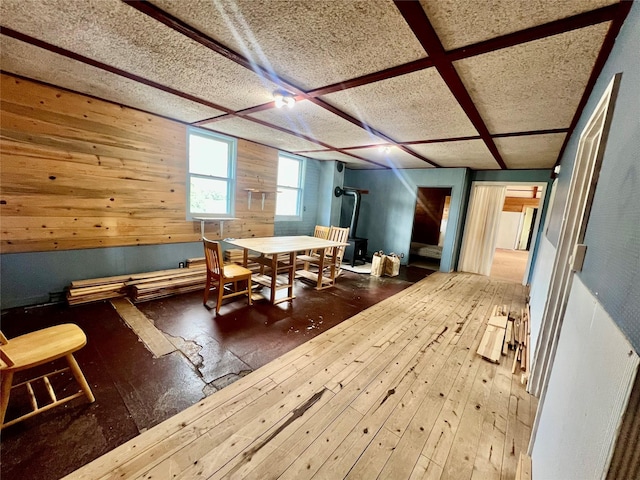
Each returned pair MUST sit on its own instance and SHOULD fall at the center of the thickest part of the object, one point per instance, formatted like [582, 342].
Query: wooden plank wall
[519, 204]
[78, 173]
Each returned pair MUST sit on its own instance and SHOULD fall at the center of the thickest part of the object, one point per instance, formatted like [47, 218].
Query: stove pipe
[355, 193]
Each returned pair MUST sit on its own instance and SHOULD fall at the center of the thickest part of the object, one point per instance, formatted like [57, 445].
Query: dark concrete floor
[135, 391]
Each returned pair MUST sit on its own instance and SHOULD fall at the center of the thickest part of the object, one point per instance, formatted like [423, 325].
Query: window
[210, 183]
[289, 197]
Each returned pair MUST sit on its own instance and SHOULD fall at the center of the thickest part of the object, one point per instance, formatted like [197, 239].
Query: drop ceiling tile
[351, 162]
[462, 22]
[468, 153]
[39, 64]
[309, 43]
[314, 121]
[533, 86]
[114, 33]
[393, 157]
[416, 106]
[241, 128]
[534, 151]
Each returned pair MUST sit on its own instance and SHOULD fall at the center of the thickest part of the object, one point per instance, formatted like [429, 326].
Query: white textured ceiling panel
[416, 106]
[533, 86]
[114, 33]
[468, 153]
[464, 22]
[313, 43]
[348, 159]
[241, 128]
[393, 157]
[534, 151]
[33, 62]
[309, 119]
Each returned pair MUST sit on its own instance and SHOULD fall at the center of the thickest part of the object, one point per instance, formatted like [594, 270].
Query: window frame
[230, 178]
[299, 188]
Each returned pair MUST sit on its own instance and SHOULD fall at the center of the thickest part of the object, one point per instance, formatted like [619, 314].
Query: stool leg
[77, 373]
[7, 380]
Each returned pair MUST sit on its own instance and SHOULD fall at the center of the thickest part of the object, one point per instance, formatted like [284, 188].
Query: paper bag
[391, 265]
[377, 264]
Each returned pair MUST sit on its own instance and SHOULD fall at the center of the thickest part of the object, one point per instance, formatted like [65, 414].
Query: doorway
[515, 232]
[497, 220]
[429, 226]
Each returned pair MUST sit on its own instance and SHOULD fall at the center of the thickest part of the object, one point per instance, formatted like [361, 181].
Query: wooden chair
[218, 272]
[336, 234]
[35, 349]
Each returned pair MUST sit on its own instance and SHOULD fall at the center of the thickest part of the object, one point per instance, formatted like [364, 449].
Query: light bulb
[279, 99]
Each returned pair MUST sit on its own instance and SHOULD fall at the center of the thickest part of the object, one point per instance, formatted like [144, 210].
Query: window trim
[300, 188]
[230, 178]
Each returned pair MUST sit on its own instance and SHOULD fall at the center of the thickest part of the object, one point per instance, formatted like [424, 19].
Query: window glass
[210, 182]
[208, 156]
[290, 181]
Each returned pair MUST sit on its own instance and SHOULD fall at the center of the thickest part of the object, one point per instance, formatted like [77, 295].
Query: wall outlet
[181, 265]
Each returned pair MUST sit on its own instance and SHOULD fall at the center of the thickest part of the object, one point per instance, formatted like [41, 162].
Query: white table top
[274, 245]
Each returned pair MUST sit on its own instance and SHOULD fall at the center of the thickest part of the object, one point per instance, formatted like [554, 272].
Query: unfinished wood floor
[395, 392]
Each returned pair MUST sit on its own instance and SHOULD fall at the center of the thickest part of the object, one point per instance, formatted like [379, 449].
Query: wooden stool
[34, 349]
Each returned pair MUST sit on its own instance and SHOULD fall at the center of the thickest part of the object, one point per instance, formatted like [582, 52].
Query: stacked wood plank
[506, 332]
[168, 282]
[521, 341]
[491, 345]
[234, 255]
[85, 291]
[196, 262]
[139, 287]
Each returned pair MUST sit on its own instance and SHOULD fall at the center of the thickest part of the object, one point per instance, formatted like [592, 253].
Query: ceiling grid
[481, 85]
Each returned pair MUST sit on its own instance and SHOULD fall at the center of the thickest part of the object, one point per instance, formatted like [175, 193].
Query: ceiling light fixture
[283, 98]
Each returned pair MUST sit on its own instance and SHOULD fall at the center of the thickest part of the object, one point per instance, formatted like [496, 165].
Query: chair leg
[206, 290]
[249, 291]
[7, 380]
[77, 373]
[220, 294]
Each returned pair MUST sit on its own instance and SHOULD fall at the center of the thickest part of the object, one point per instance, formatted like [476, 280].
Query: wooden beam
[417, 20]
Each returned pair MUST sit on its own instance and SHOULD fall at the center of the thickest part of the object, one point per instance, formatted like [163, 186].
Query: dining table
[277, 261]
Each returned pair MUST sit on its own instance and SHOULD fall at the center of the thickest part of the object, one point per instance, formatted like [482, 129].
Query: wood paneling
[517, 204]
[83, 173]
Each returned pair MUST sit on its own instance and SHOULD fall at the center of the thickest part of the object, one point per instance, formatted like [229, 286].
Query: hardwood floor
[397, 391]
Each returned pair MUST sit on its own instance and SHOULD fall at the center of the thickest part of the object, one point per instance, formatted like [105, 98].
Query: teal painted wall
[386, 212]
[611, 269]
[41, 277]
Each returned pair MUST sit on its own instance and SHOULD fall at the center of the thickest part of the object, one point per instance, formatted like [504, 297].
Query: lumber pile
[104, 289]
[520, 343]
[508, 331]
[139, 287]
[169, 282]
[491, 345]
[234, 255]
[196, 262]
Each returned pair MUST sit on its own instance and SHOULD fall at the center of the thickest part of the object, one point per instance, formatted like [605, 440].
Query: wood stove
[356, 251]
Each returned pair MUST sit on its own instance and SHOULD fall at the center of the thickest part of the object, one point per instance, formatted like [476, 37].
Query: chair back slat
[339, 234]
[213, 257]
[321, 232]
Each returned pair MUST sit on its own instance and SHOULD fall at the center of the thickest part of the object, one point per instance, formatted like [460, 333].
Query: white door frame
[582, 188]
[543, 189]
